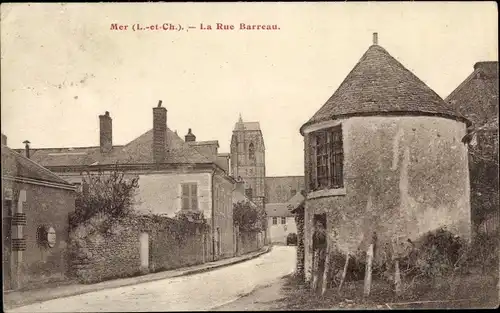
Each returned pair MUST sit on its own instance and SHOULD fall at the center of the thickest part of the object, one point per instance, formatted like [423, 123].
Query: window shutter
[194, 197]
[185, 196]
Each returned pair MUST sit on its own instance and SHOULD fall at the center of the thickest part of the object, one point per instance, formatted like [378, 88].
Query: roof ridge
[40, 167]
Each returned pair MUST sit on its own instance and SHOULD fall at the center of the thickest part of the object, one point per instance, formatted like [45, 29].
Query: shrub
[249, 217]
[106, 194]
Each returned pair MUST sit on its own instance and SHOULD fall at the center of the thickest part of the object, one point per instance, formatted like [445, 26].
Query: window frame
[327, 158]
[275, 220]
[191, 198]
[283, 220]
[251, 152]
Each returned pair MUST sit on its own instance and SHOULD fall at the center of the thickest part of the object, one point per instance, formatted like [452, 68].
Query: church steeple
[248, 158]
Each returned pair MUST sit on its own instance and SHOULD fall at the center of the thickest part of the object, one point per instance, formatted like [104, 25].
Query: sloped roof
[239, 196]
[476, 97]
[16, 165]
[138, 151]
[247, 126]
[380, 84]
[278, 210]
[295, 201]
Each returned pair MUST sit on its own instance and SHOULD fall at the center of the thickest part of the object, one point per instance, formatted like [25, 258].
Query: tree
[249, 217]
[108, 193]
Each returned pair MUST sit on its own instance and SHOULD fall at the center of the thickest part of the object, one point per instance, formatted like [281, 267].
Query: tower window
[251, 151]
[248, 192]
[329, 159]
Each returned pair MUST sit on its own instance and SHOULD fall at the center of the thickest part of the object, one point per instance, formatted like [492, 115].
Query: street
[202, 291]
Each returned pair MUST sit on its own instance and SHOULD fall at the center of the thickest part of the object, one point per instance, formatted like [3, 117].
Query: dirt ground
[474, 291]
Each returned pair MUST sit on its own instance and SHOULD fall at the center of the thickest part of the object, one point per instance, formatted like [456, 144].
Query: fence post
[344, 273]
[397, 277]
[368, 271]
[326, 272]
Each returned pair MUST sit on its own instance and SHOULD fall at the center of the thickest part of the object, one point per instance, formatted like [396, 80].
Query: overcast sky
[62, 66]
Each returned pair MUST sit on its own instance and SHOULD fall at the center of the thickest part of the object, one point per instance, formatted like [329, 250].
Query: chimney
[190, 137]
[4, 140]
[159, 133]
[27, 148]
[105, 132]
[375, 38]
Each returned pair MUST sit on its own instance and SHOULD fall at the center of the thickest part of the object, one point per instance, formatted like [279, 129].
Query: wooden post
[344, 273]
[326, 271]
[397, 277]
[368, 271]
[315, 270]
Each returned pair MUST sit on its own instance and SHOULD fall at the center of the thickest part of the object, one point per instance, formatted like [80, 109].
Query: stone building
[279, 189]
[36, 205]
[384, 157]
[248, 159]
[174, 174]
[476, 98]
[280, 222]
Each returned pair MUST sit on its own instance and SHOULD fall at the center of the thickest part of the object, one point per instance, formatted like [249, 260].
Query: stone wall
[299, 220]
[101, 252]
[249, 242]
[403, 177]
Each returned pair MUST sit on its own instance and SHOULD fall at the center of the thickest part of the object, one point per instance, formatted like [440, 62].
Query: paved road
[202, 291]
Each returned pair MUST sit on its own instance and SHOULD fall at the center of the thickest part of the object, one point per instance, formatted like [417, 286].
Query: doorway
[319, 249]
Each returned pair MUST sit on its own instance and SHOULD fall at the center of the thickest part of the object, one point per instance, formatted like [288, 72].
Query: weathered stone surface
[107, 255]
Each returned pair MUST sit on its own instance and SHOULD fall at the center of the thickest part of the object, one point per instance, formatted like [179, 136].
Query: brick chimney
[159, 133]
[4, 140]
[190, 137]
[105, 132]
[375, 38]
[27, 148]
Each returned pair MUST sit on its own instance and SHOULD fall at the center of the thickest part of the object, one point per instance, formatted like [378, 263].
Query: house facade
[36, 206]
[174, 174]
[280, 222]
[476, 98]
[384, 161]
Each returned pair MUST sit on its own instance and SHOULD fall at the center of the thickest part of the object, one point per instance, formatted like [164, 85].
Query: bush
[108, 194]
[483, 253]
[248, 217]
[438, 254]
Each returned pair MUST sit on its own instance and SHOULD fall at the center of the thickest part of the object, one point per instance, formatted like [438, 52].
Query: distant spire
[240, 119]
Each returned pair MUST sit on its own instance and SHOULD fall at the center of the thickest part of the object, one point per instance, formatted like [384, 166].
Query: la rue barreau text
[201, 26]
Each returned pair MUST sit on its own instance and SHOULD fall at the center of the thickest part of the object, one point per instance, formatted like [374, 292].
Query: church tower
[248, 159]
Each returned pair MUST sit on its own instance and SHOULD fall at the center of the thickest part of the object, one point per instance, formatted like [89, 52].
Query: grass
[481, 287]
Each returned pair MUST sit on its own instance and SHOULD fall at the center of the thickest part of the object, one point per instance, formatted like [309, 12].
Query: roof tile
[379, 84]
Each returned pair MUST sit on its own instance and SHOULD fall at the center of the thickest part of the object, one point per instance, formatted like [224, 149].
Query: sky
[62, 65]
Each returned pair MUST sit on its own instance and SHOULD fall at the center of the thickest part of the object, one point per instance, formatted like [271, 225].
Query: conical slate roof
[379, 84]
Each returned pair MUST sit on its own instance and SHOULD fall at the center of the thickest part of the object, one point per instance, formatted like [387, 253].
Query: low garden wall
[104, 249]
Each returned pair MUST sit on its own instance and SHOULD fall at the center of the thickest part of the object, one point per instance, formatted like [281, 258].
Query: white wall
[279, 232]
[161, 193]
